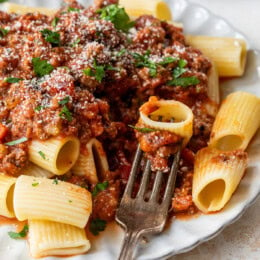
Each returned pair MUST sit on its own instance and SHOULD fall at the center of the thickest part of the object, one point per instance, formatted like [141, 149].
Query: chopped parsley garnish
[72, 9]
[55, 181]
[20, 234]
[41, 67]
[117, 16]
[99, 187]
[143, 129]
[39, 108]
[2, 1]
[34, 184]
[97, 225]
[99, 72]
[184, 82]
[143, 61]
[66, 114]
[121, 52]
[109, 67]
[42, 154]
[75, 43]
[51, 37]
[178, 71]
[12, 80]
[64, 100]
[3, 32]
[18, 141]
[167, 60]
[55, 21]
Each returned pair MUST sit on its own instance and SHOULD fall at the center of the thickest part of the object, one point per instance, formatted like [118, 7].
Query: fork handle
[129, 245]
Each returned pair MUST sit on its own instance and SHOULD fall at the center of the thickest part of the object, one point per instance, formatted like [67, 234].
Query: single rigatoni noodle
[157, 8]
[47, 238]
[229, 54]
[216, 177]
[169, 115]
[213, 84]
[33, 170]
[46, 199]
[92, 162]
[57, 155]
[6, 195]
[237, 121]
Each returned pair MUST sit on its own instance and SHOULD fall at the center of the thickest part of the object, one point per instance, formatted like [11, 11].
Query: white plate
[181, 236]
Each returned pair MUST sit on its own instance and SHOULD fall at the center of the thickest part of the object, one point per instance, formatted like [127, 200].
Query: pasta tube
[56, 155]
[229, 54]
[46, 199]
[36, 171]
[216, 176]
[48, 238]
[213, 84]
[237, 121]
[22, 9]
[169, 115]
[157, 8]
[91, 161]
[6, 195]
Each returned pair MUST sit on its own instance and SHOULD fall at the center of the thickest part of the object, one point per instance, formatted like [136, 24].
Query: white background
[241, 240]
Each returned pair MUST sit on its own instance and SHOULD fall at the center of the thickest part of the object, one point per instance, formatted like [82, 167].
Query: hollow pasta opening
[212, 194]
[67, 155]
[10, 199]
[229, 142]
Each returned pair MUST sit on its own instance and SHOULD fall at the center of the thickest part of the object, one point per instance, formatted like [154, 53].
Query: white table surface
[240, 240]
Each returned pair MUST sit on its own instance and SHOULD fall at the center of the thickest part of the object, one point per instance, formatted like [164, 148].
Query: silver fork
[138, 216]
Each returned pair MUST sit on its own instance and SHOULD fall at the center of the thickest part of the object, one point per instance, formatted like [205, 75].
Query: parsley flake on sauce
[99, 187]
[184, 82]
[39, 108]
[72, 9]
[20, 234]
[143, 129]
[12, 80]
[18, 141]
[167, 60]
[55, 21]
[41, 67]
[64, 100]
[178, 71]
[75, 43]
[66, 114]
[98, 73]
[3, 32]
[117, 16]
[97, 225]
[42, 154]
[51, 37]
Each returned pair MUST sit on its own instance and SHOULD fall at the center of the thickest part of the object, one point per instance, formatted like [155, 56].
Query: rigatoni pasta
[33, 170]
[237, 121]
[6, 195]
[52, 238]
[229, 54]
[57, 155]
[216, 176]
[46, 199]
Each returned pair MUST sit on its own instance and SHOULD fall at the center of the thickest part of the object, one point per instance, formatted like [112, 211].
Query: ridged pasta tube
[47, 238]
[237, 121]
[157, 8]
[56, 155]
[6, 195]
[92, 160]
[169, 115]
[33, 170]
[46, 199]
[216, 176]
[229, 54]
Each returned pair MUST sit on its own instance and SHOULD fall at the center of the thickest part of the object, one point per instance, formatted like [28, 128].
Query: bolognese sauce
[85, 72]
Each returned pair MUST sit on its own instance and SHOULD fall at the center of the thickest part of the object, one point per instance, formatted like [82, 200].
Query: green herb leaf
[99, 72]
[109, 67]
[121, 52]
[143, 129]
[99, 187]
[167, 60]
[20, 234]
[55, 21]
[97, 225]
[66, 114]
[75, 43]
[41, 67]
[64, 100]
[184, 82]
[39, 108]
[42, 154]
[18, 141]
[55, 181]
[35, 184]
[117, 16]
[177, 72]
[3, 32]
[51, 37]
[12, 80]
[72, 9]
[2, 1]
